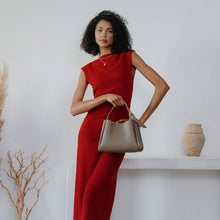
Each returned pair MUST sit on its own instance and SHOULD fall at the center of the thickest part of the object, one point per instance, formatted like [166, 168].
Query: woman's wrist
[103, 98]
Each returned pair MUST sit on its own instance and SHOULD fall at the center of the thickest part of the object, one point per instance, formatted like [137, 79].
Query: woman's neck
[104, 51]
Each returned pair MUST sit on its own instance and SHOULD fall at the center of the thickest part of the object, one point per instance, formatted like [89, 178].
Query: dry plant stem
[3, 93]
[23, 178]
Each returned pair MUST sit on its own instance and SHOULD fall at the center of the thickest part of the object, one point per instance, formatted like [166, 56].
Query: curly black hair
[122, 40]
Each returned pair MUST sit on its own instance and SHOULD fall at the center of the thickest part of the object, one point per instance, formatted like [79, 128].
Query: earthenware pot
[193, 139]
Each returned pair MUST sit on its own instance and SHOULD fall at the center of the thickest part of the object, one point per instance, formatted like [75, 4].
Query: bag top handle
[131, 116]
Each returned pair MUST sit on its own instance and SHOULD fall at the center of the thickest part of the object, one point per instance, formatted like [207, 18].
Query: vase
[193, 139]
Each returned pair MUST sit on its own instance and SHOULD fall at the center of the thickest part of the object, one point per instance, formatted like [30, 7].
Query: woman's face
[104, 34]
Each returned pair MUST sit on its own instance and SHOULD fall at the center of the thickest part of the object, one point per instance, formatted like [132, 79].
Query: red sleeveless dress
[96, 172]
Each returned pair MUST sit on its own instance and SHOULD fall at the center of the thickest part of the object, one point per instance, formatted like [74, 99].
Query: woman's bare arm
[161, 87]
[79, 106]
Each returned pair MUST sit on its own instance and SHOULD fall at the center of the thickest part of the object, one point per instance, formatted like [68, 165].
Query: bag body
[121, 137]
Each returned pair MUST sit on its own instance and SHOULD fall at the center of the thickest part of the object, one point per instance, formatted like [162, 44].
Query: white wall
[40, 42]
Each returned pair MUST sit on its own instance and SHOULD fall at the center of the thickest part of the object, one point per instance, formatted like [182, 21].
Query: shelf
[172, 162]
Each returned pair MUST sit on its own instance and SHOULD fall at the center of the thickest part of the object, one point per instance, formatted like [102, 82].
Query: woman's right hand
[114, 99]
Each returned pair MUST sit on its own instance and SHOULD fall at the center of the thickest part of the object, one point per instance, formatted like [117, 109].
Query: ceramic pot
[193, 139]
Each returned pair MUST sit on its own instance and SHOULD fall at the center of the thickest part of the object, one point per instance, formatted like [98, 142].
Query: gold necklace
[105, 58]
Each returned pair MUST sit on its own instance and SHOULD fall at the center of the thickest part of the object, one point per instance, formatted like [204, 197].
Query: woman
[111, 77]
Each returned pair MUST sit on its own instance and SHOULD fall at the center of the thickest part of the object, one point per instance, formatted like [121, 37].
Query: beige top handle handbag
[122, 137]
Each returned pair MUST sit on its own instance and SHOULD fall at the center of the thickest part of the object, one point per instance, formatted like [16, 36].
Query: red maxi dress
[96, 172]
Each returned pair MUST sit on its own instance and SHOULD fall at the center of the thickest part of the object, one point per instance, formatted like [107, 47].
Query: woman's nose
[103, 33]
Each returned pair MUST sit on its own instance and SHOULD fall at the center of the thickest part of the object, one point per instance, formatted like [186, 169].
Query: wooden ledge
[171, 162]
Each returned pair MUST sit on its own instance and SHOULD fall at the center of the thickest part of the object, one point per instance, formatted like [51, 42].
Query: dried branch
[38, 192]
[23, 176]
[3, 93]
[4, 187]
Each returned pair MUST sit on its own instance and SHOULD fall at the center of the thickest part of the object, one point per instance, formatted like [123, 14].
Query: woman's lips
[104, 41]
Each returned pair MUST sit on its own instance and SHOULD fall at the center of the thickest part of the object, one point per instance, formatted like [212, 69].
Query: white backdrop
[40, 42]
